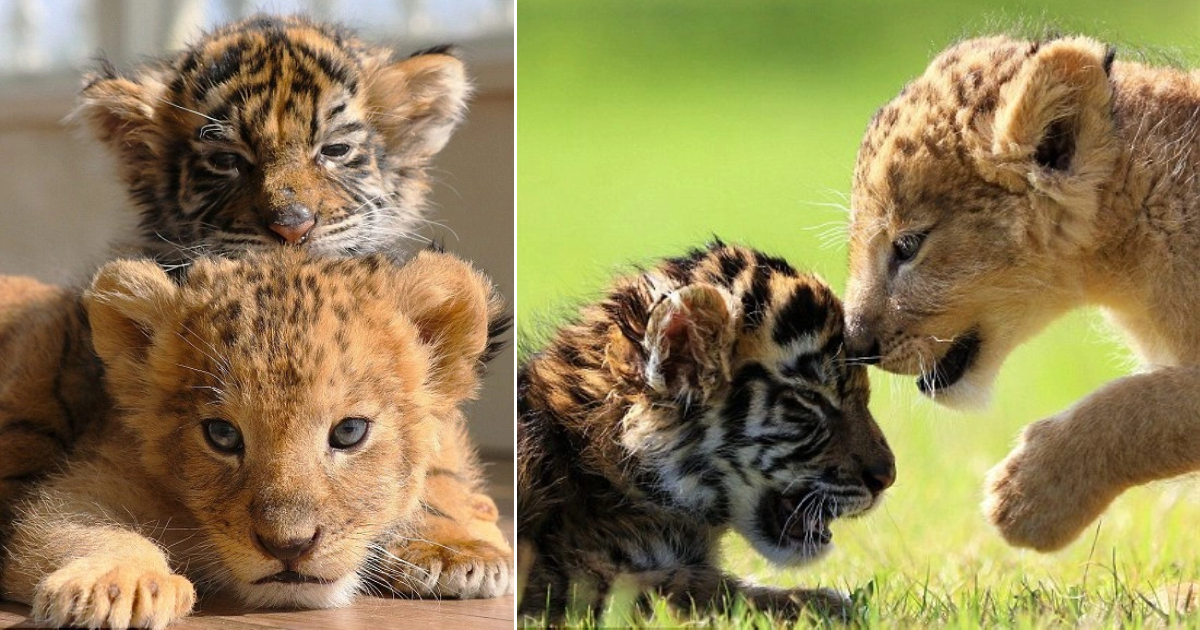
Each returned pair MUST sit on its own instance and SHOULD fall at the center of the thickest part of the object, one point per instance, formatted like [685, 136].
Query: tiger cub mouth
[797, 520]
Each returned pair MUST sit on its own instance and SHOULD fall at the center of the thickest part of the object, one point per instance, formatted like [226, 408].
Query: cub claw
[95, 594]
[470, 570]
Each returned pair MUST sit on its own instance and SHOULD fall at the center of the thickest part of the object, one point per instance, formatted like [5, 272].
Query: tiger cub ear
[126, 302]
[451, 304]
[418, 102]
[121, 110]
[688, 340]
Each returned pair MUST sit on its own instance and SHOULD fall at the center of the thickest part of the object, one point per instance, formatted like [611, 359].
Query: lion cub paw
[93, 594]
[468, 570]
[484, 508]
[1039, 496]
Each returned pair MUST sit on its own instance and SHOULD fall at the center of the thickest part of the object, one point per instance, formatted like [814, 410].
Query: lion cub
[1012, 182]
[279, 420]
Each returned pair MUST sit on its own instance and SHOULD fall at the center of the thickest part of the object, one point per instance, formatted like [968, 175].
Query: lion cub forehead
[273, 298]
[918, 156]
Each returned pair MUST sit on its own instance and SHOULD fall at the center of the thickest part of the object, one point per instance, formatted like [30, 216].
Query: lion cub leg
[1068, 468]
[457, 549]
[78, 567]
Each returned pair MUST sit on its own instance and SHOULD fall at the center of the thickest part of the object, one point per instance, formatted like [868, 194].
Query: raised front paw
[96, 594]
[1046, 491]
[464, 570]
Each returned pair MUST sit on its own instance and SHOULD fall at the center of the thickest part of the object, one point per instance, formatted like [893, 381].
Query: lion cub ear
[418, 102]
[126, 302]
[1054, 124]
[688, 341]
[121, 110]
[451, 305]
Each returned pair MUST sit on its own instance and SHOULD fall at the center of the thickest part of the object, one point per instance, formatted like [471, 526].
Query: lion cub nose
[293, 223]
[287, 549]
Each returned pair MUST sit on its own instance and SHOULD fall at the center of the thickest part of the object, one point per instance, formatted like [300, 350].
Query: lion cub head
[289, 405]
[972, 189]
[277, 131]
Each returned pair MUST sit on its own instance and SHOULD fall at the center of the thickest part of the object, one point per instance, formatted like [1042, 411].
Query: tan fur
[147, 509]
[1045, 177]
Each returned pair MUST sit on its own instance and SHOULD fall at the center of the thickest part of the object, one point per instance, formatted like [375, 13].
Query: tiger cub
[277, 130]
[705, 394]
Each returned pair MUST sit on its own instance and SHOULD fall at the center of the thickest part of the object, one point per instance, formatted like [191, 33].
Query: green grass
[645, 127]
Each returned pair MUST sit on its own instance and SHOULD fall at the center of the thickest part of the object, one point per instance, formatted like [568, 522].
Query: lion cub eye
[906, 247]
[349, 432]
[223, 436]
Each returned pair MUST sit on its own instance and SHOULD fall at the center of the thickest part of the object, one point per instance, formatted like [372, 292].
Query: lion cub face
[287, 405]
[972, 190]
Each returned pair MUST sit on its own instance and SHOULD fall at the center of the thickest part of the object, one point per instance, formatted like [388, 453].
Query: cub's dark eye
[335, 151]
[223, 436]
[806, 367]
[349, 432]
[906, 247]
[225, 161]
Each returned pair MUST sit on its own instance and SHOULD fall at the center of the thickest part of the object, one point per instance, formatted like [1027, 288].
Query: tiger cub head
[751, 414]
[292, 455]
[277, 130]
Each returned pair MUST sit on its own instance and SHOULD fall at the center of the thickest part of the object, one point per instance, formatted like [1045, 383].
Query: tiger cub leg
[457, 548]
[705, 586]
[546, 587]
[50, 383]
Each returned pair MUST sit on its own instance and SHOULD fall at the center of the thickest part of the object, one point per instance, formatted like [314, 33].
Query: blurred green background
[644, 127]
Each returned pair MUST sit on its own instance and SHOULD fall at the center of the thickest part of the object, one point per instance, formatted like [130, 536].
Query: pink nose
[294, 234]
[293, 222]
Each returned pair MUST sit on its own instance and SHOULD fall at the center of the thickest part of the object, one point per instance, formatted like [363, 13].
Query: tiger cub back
[704, 394]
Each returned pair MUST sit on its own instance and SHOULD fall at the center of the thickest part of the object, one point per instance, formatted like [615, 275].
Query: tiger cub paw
[463, 570]
[112, 594]
[796, 602]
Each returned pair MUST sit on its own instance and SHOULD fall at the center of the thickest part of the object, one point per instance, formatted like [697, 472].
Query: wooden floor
[367, 612]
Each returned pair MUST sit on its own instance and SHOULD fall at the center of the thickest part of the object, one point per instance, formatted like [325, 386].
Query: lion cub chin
[277, 422]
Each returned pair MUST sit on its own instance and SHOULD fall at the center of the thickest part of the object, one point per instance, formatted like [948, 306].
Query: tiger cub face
[277, 130]
[755, 417]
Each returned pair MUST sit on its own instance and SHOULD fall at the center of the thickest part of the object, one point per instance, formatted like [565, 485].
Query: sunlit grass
[645, 127]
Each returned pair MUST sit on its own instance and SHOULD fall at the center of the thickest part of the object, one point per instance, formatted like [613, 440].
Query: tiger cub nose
[879, 476]
[293, 223]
